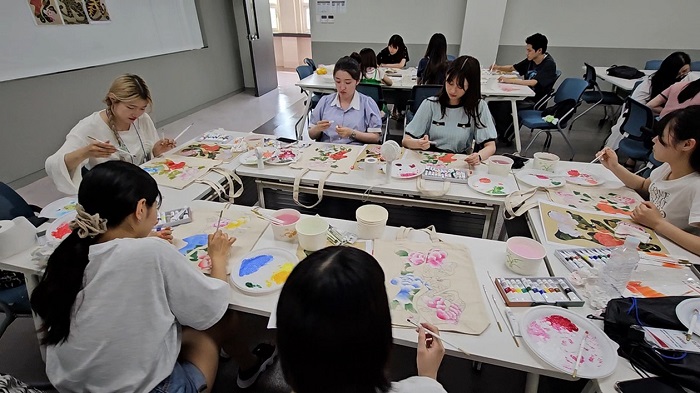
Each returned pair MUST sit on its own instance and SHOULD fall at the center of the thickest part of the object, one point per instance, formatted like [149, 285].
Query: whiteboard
[138, 29]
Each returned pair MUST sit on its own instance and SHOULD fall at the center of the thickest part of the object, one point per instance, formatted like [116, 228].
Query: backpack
[622, 313]
[624, 72]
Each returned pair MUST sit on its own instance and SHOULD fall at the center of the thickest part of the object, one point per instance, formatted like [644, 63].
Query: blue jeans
[185, 378]
[17, 298]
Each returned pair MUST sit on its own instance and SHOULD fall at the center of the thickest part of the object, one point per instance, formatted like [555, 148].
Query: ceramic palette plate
[490, 185]
[537, 178]
[555, 334]
[582, 178]
[263, 271]
[249, 158]
[684, 312]
[60, 207]
[406, 169]
[60, 228]
[284, 156]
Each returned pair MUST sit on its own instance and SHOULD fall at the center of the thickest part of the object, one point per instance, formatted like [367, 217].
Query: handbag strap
[403, 233]
[221, 190]
[432, 192]
[519, 202]
[319, 191]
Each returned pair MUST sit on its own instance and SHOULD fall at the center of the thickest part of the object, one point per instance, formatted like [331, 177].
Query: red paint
[561, 323]
[62, 231]
[211, 148]
[607, 239]
[542, 177]
[485, 180]
[447, 158]
[339, 155]
[172, 165]
[574, 173]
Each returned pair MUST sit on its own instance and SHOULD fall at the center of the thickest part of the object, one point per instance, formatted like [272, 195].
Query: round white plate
[537, 178]
[249, 158]
[58, 229]
[406, 169]
[684, 312]
[490, 184]
[554, 334]
[583, 178]
[60, 207]
[263, 271]
[284, 156]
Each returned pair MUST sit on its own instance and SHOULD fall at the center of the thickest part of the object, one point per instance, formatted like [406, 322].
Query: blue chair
[638, 118]
[570, 89]
[304, 71]
[12, 205]
[311, 63]
[652, 163]
[375, 92]
[14, 302]
[653, 64]
[695, 66]
[418, 94]
[596, 96]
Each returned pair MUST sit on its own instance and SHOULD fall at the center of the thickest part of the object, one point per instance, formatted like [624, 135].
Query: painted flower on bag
[444, 309]
[436, 257]
[204, 262]
[409, 285]
[608, 240]
[565, 223]
[416, 258]
[172, 165]
[211, 148]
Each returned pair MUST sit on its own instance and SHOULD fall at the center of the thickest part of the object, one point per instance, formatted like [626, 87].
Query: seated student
[673, 69]
[334, 328]
[432, 67]
[371, 73]
[677, 96]
[395, 55]
[457, 117]
[124, 312]
[350, 112]
[123, 131]
[673, 209]
[538, 71]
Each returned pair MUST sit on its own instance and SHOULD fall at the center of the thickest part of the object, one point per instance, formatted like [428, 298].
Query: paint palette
[284, 156]
[555, 334]
[582, 178]
[263, 271]
[60, 207]
[490, 184]
[406, 169]
[60, 228]
[684, 312]
[249, 158]
[538, 178]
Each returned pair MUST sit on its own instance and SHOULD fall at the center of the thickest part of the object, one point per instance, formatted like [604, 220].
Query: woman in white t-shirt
[123, 131]
[122, 312]
[673, 209]
[334, 328]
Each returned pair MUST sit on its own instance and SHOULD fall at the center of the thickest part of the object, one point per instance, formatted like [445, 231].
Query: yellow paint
[235, 224]
[280, 275]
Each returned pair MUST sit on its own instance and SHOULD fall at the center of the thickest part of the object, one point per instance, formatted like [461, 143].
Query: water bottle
[614, 275]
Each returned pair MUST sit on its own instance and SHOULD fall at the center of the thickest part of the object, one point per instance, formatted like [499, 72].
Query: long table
[628, 84]
[490, 89]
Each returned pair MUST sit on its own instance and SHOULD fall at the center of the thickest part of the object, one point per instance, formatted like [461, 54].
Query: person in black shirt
[539, 71]
[395, 55]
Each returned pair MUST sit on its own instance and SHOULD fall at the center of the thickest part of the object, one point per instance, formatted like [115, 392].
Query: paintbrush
[218, 222]
[641, 170]
[116, 147]
[183, 131]
[437, 336]
[693, 321]
[580, 352]
[267, 217]
[492, 310]
[596, 159]
[510, 329]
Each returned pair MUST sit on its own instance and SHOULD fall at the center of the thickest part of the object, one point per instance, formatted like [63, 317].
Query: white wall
[638, 24]
[375, 21]
[483, 21]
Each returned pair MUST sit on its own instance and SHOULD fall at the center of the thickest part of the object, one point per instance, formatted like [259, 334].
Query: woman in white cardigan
[123, 131]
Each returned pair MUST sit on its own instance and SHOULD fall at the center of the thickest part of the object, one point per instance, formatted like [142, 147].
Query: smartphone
[286, 140]
[518, 162]
[644, 385]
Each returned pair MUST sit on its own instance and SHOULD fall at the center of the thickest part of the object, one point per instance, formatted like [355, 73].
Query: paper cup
[546, 161]
[312, 233]
[286, 232]
[499, 165]
[371, 221]
[371, 166]
[254, 141]
[524, 255]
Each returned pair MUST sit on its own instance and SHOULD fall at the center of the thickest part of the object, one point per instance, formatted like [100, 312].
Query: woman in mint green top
[457, 118]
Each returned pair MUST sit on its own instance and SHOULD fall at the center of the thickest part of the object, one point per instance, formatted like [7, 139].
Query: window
[274, 15]
[305, 16]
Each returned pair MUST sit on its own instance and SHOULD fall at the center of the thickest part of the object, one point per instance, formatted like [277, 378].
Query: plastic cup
[286, 232]
[499, 165]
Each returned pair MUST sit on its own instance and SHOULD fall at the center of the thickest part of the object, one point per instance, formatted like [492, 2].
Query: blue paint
[252, 265]
[151, 170]
[194, 241]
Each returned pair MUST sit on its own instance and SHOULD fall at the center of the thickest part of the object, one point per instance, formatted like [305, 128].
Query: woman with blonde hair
[123, 131]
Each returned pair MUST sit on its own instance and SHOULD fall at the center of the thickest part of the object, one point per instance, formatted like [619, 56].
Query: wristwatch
[352, 136]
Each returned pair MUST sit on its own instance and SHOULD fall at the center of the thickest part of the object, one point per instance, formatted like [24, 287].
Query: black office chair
[311, 63]
[695, 66]
[418, 94]
[653, 64]
[376, 93]
[596, 96]
[638, 119]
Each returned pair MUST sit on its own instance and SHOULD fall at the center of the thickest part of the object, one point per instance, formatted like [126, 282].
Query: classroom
[477, 193]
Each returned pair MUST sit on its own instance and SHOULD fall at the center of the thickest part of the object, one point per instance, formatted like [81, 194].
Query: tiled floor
[275, 113]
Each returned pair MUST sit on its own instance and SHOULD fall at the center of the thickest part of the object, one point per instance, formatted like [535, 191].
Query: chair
[12, 205]
[542, 103]
[651, 164]
[418, 94]
[653, 64]
[304, 71]
[638, 117]
[375, 92]
[570, 89]
[13, 305]
[596, 96]
[311, 63]
[695, 66]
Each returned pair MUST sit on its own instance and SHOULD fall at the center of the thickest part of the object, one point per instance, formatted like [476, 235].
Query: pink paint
[535, 330]
[526, 251]
[560, 323]
[500, 162]
[287, 218]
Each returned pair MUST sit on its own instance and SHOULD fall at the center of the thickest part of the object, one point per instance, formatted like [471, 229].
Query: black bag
[624, 72]
[560, 109]
[621, 314]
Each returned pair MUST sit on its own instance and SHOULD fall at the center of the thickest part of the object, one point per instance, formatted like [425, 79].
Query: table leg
[32, 280]
[516, 126]
[302, 123]
[532, 382]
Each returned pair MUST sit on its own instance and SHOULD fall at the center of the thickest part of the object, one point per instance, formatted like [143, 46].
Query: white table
[624, 371]
[490, 89]
[621, 83]
[356, 185]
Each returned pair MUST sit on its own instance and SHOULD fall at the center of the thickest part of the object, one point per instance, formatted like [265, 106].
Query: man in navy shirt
[539, 72]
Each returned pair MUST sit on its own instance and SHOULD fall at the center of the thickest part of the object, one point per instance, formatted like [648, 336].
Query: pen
[116, 147]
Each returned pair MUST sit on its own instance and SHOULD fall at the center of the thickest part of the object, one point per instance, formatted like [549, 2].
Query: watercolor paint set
[439, 173]
[535, 291]
[578, 258]
[175, 217]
